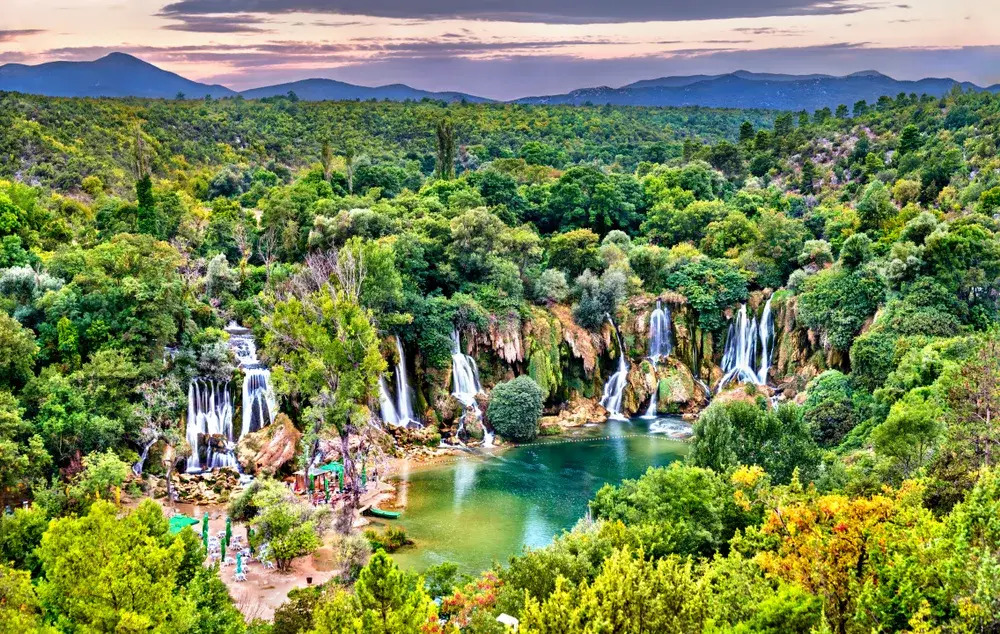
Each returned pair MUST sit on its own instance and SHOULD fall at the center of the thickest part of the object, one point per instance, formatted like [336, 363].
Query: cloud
[509, 76]
[537, 11]
[768, 30]
[16, 34]
[242, 23]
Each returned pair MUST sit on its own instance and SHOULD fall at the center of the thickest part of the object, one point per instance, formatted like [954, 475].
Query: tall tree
[445, 150]
[328, 355]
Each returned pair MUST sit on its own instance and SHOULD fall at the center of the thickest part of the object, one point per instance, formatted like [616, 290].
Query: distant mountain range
[743, 89]
[121, 75]
[115, 75]
[332, 90]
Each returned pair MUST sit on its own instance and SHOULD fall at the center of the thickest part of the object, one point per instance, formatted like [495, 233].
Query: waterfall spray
[614, 389]
[388, 408]
[740, 359]
[465, 382]
[661, 341]
[210, 406]
[661, 344]
[404, 406]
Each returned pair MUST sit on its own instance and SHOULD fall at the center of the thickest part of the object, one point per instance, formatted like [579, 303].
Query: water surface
[480, 509]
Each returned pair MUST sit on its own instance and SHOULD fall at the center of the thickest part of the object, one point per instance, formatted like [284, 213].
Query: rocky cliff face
[571, 364]
[798, 352]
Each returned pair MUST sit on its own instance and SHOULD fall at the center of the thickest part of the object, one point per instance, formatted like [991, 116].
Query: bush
[514, 409]
[390, 540]
[599, 297]
[552, 286]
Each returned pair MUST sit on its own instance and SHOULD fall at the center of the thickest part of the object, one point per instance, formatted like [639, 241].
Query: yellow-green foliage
[544, 364]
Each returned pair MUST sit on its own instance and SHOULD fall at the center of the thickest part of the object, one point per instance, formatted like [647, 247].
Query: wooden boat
[388, 515]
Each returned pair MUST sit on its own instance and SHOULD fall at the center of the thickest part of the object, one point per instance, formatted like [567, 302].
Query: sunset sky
[510, 48]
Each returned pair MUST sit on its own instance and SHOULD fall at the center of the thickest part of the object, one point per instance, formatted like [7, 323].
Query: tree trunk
[353, 501]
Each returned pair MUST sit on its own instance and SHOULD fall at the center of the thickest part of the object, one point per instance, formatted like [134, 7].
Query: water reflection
[523, 497]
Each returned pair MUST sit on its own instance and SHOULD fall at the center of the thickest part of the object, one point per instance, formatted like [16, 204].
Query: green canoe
[389, 515]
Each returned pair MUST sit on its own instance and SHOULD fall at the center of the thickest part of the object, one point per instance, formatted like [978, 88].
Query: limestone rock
[267, 450]
[584, 345]
[580, 411]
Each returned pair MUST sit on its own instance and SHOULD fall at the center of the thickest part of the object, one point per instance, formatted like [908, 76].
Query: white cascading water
[465, 382]
[661, 340]
[210, 413]
[387, 407]
[661, 344]
[259, 402]
[748, 340]
[404, 406]
[766, 330]
[614, 389]
[210, 406]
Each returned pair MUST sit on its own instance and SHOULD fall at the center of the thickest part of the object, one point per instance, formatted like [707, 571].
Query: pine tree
[445, 150]
[808, 177]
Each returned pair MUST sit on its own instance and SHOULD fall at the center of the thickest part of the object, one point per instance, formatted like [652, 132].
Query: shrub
[552, 286]
[390, 540]
[599, 297]
[514, 409]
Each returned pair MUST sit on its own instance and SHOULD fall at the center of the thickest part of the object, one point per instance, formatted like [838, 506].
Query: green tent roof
[178, 522]
[327, 468]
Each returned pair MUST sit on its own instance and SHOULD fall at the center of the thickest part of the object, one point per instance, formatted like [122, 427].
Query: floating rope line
[566, 441]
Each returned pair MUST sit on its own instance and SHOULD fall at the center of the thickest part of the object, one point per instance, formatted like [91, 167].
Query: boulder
[266, 451]
[677, 389]
[580, 411]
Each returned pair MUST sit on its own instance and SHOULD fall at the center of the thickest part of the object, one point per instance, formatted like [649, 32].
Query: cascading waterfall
[661, 341]
[259, 401]
[465, 382]
[210, 406]
[614, 389]
[387, 407]
[661, 344]
[748, 341]
[210, 413]
[404, 406]
[398, 412]
[766, 329]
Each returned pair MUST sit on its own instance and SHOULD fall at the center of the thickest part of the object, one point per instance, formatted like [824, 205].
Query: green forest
[832, 286]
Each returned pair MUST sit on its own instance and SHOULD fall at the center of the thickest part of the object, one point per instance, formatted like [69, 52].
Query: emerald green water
[481, 509]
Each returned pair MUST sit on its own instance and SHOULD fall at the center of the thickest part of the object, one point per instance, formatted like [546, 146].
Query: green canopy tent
[180, 522]
[331, 467]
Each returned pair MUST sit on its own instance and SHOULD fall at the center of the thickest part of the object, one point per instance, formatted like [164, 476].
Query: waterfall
[210, 406]
[661, 341]
[465, 382]
[138, 466]
[661, 344]
[260, 405]
[651, 410]
[766, 329]
[614, 389]
[404, 407]
[210, 413]
[748, 340]
[388, 408]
